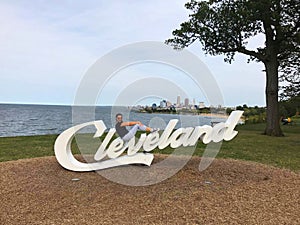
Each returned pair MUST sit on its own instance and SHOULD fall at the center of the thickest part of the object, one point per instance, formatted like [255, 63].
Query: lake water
[25, 120]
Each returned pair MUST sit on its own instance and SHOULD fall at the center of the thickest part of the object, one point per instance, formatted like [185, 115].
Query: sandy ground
[39, 191]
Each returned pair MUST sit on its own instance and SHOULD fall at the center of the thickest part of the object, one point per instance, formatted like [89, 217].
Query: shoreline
[211, 115]
[214, 115]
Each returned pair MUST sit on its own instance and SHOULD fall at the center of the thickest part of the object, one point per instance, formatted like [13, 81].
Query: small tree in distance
[225, 27]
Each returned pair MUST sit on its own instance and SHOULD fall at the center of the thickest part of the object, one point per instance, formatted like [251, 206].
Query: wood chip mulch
[40, 191]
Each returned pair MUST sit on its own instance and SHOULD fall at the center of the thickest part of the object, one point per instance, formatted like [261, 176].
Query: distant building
[201, 105]
[186, 102]
[169, 104]
[178, 100]
[163, 104]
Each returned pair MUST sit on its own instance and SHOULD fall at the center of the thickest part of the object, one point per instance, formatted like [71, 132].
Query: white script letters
[114, 149]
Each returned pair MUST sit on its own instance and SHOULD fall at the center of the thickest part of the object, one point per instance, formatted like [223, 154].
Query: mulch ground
[40, 191]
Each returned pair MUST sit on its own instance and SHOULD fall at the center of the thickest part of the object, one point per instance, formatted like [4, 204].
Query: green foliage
[290, 107]
[260, 118]
[296, 119]
[205, 110]
[170, 110]
[229, 110]
[253, 114]
[239, 108]
[290, 89]
[225, 28]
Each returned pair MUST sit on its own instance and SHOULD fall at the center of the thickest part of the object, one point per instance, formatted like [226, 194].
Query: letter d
[230, 123]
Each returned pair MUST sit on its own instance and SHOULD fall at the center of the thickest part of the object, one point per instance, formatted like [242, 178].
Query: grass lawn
[249, 144]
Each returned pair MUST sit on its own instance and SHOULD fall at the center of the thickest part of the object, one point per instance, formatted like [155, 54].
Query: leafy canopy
[226, 26]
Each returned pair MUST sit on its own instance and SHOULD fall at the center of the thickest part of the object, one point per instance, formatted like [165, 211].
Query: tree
[290, 76]
[226, 26]
[290, 107]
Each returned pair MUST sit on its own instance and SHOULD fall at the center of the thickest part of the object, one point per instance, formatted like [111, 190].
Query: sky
[46, 47]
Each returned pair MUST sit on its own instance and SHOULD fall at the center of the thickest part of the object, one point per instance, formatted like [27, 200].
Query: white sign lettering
[114, 151]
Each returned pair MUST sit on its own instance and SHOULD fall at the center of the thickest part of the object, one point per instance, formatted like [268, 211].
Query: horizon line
[71, 105]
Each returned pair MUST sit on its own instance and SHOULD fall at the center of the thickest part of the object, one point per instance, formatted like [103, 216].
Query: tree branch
[257, 55]
[245, 51]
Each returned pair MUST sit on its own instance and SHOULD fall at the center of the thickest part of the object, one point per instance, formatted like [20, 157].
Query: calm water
[24, 120]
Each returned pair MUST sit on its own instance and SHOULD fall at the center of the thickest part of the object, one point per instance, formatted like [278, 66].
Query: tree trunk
[273, 117]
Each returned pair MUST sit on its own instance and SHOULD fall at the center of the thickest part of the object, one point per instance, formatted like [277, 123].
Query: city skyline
[178, 103]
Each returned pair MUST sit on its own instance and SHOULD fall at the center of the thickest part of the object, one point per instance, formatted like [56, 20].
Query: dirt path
[39, 191]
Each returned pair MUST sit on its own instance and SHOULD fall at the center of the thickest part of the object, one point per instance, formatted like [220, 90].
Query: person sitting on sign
[125, 134]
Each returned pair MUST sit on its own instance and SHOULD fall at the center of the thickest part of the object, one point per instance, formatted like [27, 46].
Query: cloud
[47, 46]
[37, 59]
[52, 43]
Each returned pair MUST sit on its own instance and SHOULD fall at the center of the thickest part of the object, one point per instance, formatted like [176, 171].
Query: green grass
[13, 148]
[249, 144]
[296, 120]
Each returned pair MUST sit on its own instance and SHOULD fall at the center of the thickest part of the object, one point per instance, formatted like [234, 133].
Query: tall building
[178, 100]
[169, 104]
[186, 102]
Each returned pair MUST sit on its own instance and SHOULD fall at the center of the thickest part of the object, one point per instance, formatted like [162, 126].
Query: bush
[261, 118]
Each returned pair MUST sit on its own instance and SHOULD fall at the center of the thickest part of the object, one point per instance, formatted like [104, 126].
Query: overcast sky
[47, 46]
